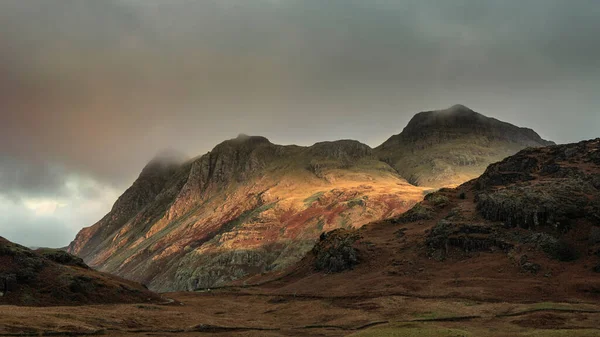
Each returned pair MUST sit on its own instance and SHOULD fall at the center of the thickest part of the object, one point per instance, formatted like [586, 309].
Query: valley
[245, 312]
[457, 264]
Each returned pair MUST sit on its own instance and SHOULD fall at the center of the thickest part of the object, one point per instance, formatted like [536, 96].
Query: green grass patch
[437, 199]
[430, 330]
[433, 315]
[247, 216]
[320, 224]
[356, 202]
[309, 201]
[552, 306]
[344, 221]
[562, 332]
[411, 330]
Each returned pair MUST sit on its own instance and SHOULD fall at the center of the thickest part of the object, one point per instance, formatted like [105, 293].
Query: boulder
[335, 251]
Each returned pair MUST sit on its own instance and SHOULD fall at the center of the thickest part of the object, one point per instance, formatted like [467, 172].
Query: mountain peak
[164, 160]
[169, 155]
[453, 145]
[341, 149]
[242, 142]
[458, 108]
[456, 116]
[243, 138]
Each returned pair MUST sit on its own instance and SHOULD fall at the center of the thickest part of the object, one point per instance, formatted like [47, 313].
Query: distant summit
[459, 121]
[447, 147]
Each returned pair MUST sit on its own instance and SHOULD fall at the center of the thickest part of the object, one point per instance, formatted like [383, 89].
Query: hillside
[527, 229]
[250, 206]
[53, 277]
[448, 147]
[247, 207]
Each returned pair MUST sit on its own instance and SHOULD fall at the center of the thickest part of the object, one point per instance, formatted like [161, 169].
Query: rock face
[544, 199]
[449, 147]
[554, 188]
[52, 277]
[250, 206]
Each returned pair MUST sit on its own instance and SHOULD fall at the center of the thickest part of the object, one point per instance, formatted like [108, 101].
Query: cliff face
[250, 206]
[448, 147]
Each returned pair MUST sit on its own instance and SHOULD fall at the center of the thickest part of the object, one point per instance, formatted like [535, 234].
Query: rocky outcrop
[335, 251]
[550, 188]
[466, 237]
[449, 147]
[61, 257]
[542, 200]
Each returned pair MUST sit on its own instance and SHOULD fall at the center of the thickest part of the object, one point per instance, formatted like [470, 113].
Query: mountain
[246, 207]
[250, 206]
[53, 277]
[528, 229]
[448, 147]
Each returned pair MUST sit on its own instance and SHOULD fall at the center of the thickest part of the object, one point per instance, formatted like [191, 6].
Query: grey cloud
[98, 87]
[32, 179]
[19, 225]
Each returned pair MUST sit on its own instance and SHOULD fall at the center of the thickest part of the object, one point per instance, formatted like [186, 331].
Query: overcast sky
[90, 90]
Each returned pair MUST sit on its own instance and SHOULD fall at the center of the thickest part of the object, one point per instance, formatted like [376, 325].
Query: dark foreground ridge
[53, 277]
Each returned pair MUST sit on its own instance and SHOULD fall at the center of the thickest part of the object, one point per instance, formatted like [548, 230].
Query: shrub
[437, 199]
[565, 252]
[557, 249]
[62, 257]
[335, 251]
[417, 213]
